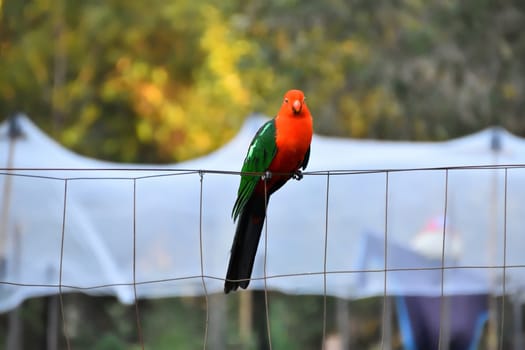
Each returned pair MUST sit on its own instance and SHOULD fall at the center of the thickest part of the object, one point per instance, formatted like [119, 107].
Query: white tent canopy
[181, 225]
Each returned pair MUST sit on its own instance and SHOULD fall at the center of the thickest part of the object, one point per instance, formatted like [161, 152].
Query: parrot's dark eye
[286, 100]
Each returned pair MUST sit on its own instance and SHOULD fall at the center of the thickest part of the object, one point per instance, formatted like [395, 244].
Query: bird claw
[267, 175]
[297, 175]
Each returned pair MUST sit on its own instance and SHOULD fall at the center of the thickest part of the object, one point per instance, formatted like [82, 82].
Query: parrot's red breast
[294, 129]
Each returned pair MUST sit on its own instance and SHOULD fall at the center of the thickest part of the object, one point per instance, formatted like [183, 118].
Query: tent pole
[518, 322]
[6, 200]
[15, 329]
[387, 327]
[218, 314]
[343, 322]
[15, 326]
[52, 322]
[245, 316]
[444, 324]
[492, 329]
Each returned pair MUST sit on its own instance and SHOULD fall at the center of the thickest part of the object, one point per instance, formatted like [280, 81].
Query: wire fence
[136, 175]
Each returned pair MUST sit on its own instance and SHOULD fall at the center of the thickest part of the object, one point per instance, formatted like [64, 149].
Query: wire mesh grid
[48, 173]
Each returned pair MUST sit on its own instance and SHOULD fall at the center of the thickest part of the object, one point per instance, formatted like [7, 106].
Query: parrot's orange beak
[296, 106]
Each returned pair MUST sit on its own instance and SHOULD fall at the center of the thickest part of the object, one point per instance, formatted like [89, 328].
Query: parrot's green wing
[260, 155]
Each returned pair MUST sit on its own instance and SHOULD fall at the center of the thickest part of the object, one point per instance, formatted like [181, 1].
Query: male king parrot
[279, 149]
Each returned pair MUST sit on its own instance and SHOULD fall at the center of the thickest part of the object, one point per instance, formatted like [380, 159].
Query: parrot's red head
[293, 103]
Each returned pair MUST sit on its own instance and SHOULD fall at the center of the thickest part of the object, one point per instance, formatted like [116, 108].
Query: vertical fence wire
[137, 311]
[206, 298]
[60, 293]
[443, 304]
[504, 280]
[266, 303]
[325, 257]
[385, 246]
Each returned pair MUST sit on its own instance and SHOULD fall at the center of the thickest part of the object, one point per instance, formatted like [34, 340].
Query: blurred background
[168, 81]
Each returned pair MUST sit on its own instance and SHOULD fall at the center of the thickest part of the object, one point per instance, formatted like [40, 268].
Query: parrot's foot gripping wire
[266, 176]
[297, 175]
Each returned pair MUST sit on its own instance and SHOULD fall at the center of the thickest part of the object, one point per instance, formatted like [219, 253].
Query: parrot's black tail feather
[245, 242]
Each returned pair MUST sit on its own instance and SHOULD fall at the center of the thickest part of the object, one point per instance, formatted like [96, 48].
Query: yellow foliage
[144, 131]
[123, 64]
[151, 94]
[224, 52]
[159, 76]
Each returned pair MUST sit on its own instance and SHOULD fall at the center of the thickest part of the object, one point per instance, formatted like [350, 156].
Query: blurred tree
[409, 69]
[176, 83]
[111, 82]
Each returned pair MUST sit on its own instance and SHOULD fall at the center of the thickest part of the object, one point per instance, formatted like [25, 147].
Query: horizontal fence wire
[177, 171]
[123, 173]
[268, 277]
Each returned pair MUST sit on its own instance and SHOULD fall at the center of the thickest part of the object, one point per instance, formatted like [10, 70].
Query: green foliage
[173, 324]
[296, 323]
